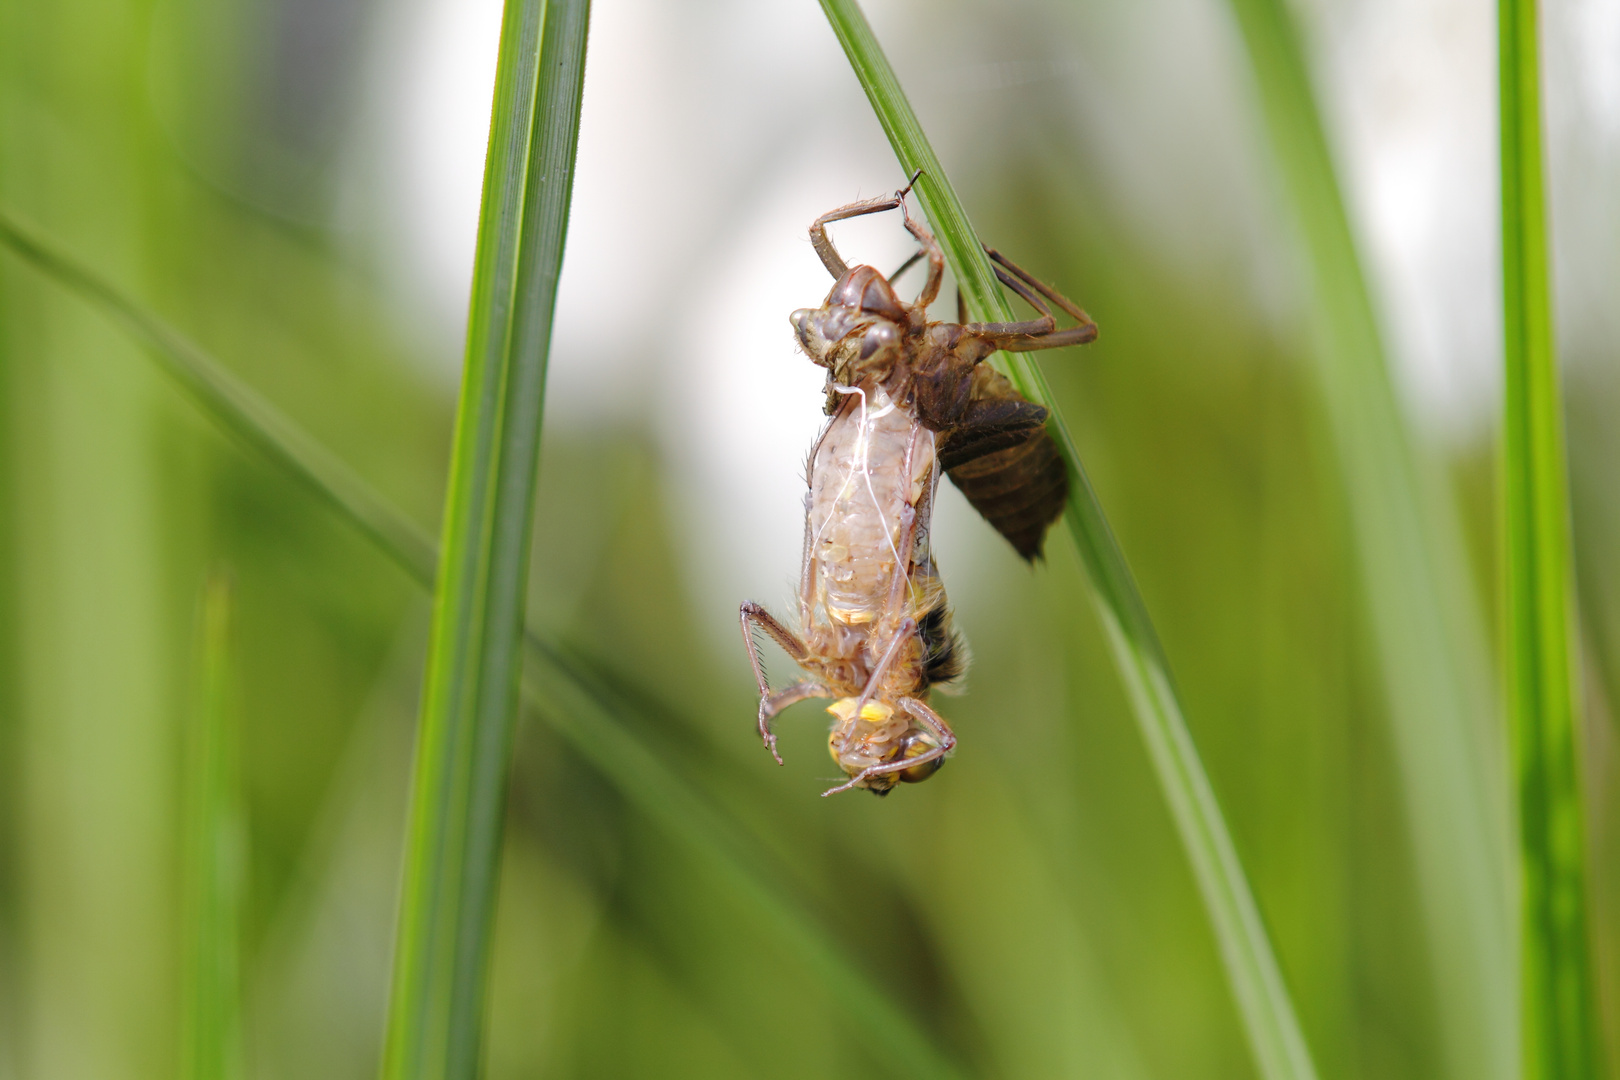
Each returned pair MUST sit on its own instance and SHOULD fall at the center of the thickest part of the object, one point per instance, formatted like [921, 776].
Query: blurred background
[294, 184]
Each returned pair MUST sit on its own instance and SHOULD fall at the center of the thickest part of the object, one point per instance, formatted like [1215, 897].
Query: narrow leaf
[1433, 659]
[244, 416]
[569, 702]
[211, 1047]
[1557, 1007]
[469, 703]
[1268, 1014]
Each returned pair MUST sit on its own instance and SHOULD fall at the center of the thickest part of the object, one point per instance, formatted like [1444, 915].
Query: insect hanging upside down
[907, 398]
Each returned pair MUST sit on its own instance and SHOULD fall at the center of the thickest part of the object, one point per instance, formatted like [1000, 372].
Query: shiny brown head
[864, 289]
[858, 333]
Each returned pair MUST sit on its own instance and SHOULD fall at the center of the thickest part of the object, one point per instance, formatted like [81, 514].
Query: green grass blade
[1557, 1007]
[211, 1046]
[470, 699]
[1268, 1013]
[1433, 659]
[568, 701]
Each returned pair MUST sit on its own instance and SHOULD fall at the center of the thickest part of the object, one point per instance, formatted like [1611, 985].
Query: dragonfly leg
[930, 247]
[902, 570]
[753, 615]
[905, 632]
[792, 694]
[1033, 334]
[807, 560]
[823, 243]
[933, 722]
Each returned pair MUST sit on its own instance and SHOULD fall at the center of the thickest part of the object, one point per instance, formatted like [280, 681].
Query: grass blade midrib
[1557, 1008]
[589, 725]
[474, 661]
[1269, 1019]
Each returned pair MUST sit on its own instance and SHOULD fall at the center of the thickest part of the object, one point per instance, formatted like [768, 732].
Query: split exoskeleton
[908, 398]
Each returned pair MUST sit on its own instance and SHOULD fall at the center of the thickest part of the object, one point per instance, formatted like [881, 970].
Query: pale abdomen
[871, 466]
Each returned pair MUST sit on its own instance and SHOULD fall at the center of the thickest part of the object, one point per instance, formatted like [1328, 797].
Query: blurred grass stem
[1263, 1001]
[1423, 616]
[211, 1046]
[1557, 1007]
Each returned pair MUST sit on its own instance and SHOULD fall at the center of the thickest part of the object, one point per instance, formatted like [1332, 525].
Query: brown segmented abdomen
[1020, 491]
[873, 462]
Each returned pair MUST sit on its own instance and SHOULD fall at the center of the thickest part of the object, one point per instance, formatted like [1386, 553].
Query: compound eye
[918, 773]
[879, 299]
[878, 336]
[917, 746]
[864, 289]
[847, 292]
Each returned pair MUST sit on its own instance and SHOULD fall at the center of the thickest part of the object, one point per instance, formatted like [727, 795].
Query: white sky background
[1409, 89]
[714, 132]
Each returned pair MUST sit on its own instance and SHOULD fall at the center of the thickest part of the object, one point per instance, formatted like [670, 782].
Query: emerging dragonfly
[907, 398]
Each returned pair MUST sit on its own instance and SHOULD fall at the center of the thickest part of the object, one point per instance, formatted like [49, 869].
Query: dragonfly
[907, 399]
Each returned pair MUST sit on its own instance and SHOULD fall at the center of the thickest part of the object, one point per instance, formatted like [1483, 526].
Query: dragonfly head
[880, 736]
[858, 333]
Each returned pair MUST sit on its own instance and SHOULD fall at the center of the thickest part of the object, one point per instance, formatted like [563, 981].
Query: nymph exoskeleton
[907, 398]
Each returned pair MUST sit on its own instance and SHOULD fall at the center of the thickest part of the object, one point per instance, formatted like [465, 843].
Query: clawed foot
[847, 785]
[768, 736]
[903, 192]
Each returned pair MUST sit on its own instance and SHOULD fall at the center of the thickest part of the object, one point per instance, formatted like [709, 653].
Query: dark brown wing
[1002, 459]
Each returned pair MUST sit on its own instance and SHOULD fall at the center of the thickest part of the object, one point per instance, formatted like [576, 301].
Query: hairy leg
[823, 243]
[930, 247]
[752, 615]
[1039, 333]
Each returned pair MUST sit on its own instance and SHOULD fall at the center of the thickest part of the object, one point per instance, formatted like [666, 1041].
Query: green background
[262, 175]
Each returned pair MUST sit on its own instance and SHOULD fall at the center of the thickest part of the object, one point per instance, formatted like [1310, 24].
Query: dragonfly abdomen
[871, 484]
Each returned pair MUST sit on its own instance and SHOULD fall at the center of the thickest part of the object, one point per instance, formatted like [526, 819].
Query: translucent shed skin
[907, 398]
